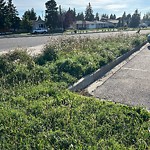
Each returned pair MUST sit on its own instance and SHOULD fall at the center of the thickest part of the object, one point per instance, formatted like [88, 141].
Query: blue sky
[101, 6]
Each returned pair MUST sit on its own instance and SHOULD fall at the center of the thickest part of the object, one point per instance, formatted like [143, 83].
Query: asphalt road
[131, 83]
[7, 44]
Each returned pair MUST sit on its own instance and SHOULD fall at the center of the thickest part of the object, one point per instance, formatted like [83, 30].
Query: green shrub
[136, 42]
[6, 67]
[49, 54]
[70, 66]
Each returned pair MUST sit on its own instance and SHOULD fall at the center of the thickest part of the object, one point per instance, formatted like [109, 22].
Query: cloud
[101, 6]
[115, 7]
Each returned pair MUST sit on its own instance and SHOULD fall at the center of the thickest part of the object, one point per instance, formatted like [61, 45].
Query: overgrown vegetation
[38, 112]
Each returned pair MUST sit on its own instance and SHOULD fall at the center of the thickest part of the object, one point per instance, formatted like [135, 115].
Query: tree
[128, 19]
[51, 14]
[146, 18]
[32, 14]
[124, 19]
[27, 18]
[74, 13]
[89, 13]
[61, 18]
[80, 16]
[112, 16]
[104, 17]
[97, 17]
[2, 14]
[69, 18]
[135, 20]
[12, 20]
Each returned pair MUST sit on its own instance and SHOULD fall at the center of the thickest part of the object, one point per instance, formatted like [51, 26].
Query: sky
[101, 6]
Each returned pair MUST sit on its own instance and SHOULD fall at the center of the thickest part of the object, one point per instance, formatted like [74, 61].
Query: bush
[70, 66]
[49, 54]
[6, 67]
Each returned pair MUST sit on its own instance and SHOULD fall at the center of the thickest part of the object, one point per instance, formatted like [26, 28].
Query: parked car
[42, 31]
[143, 25]
[148, 38]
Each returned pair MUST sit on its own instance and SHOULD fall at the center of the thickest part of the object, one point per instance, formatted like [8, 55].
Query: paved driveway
[131, 83]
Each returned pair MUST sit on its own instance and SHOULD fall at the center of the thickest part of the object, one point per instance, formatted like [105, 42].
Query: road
[130, 84]
[7, 44]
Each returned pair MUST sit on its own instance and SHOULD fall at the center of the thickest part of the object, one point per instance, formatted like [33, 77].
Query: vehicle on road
[148, 38]
[39, 31]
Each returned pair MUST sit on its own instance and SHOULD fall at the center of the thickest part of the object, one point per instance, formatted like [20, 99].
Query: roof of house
[113, 21]
[90, 22]
[80, 22]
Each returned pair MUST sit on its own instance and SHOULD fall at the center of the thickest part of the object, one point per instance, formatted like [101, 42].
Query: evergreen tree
[32, 14]
[61, 18]
[69, 18]
[89, 13]
[120, 22]
[12, 20]
[114, 16]
[111, 16]
[128, 20]
[97, 17]
[80, 16]
[51, 14]
[135, 20]
[2, 14]
[104, 17]
[124, 19]
[27, 18]
[74, 13]
[146, 18]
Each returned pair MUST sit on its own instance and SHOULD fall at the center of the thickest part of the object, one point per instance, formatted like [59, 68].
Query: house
[80, 25]
[38, 24]
[95, 24]
[101, 24]
[90, 25]
[113, 23]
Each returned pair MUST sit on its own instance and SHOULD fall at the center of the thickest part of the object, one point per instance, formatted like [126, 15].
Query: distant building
[38, 24]
[113, 23]
[95, 24]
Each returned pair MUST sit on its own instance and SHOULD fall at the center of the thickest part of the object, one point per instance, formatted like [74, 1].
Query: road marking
[135, 69]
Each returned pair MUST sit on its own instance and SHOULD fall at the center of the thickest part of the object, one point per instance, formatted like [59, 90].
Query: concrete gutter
[89, 79]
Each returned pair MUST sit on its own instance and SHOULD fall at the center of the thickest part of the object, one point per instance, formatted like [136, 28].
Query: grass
[38, 112]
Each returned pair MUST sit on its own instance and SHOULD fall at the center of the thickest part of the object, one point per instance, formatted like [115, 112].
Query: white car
[36, 31]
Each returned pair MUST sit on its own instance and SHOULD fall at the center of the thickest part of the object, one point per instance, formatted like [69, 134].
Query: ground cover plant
[38, 112]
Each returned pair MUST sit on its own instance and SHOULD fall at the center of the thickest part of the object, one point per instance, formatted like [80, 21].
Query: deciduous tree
[69, 18]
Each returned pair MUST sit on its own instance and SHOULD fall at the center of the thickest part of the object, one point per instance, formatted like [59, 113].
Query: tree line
[56, 17]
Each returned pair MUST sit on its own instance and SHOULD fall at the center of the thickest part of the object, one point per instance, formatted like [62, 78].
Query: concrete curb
[27, 35]
[89, 79]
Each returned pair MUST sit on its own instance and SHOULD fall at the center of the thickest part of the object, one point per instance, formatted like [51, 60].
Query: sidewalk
[130, 84]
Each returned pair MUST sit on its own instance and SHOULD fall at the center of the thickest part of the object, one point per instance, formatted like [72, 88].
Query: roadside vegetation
[38, 112]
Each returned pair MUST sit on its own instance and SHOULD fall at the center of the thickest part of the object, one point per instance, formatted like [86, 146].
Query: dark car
[148, 38]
